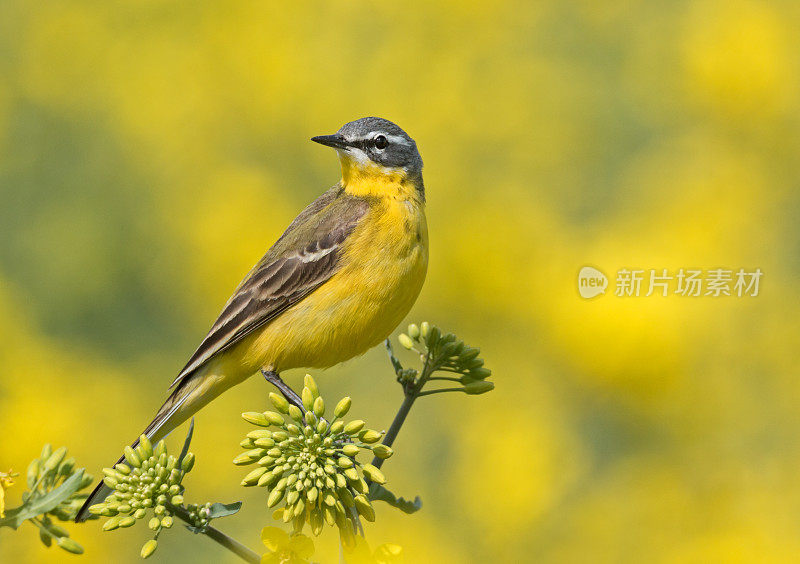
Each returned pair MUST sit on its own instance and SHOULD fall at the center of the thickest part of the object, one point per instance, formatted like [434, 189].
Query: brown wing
[303, 259]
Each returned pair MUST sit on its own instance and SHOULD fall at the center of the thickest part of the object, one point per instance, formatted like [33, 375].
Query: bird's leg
[290, 395]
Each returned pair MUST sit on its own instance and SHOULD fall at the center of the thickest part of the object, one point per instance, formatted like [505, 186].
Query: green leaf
[395, 363]
[379, 493]
[218, 510]
[37, 505]
[187, 442]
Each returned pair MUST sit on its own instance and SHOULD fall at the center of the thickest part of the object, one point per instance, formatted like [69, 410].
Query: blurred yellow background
[151, 151]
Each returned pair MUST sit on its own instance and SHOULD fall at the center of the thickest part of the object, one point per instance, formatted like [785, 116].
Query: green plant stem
[39, 524]
[443, 390]
[411, 394]
[399, 419]
[447, 378]
[217, 536]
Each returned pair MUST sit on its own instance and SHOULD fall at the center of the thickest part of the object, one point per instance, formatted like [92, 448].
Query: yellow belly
[383, 268]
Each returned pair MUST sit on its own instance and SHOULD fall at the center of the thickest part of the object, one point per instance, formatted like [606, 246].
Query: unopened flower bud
[69, 545]
[342, 407]
[132, 457]
[478, 387]
[274, 497]
[188, 462]
[433, 337]
[319, 407]
[354, 427]
[54, 459]
[373, 474]
[266, 442]
[256, 418]
[480, 373]
[364, 508]
[145, 447]
[66, 467]
[253, 476]
[308, 382]
[468, 354]
[382, 451]
[350, 450]
[424, 328]
[295, 413]
[149, 548]
[406, 341]
[160, 449]
[308, 399]
[279, 402]
[112, 523]
[274, 418]
[370, 436]
[33, 471]
[86, 481]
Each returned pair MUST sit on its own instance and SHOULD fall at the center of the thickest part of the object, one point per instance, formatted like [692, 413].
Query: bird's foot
[290, 395]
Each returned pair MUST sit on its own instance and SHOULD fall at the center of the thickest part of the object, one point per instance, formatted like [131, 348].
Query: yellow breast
[383, 267]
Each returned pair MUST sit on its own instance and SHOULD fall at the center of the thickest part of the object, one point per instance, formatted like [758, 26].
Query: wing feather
[303, 259]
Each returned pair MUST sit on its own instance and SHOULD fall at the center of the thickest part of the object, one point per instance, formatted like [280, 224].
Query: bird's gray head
[371, 141]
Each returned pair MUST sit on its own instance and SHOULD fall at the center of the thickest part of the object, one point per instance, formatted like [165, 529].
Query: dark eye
[381, 142]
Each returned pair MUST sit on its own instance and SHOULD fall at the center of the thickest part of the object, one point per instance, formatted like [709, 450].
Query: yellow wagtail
[336, 283]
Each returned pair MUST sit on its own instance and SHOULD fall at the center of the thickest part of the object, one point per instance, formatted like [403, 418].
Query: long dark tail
[101, 491]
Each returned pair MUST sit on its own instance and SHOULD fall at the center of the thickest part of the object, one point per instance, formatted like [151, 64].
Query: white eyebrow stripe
[399, 140]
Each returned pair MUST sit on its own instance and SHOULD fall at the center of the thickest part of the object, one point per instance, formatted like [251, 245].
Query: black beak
[336, 141]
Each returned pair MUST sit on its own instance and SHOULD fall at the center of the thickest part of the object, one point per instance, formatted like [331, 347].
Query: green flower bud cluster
[199, 515]
[148, 479]
[309, 464]
[447, 353]
[45, 474]
[48, 472]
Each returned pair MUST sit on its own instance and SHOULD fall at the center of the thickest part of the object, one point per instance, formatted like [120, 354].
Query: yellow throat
[366, 178]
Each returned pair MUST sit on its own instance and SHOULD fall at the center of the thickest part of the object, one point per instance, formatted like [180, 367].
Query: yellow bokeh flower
[285, 549]
[6, 481]
[360, 553]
